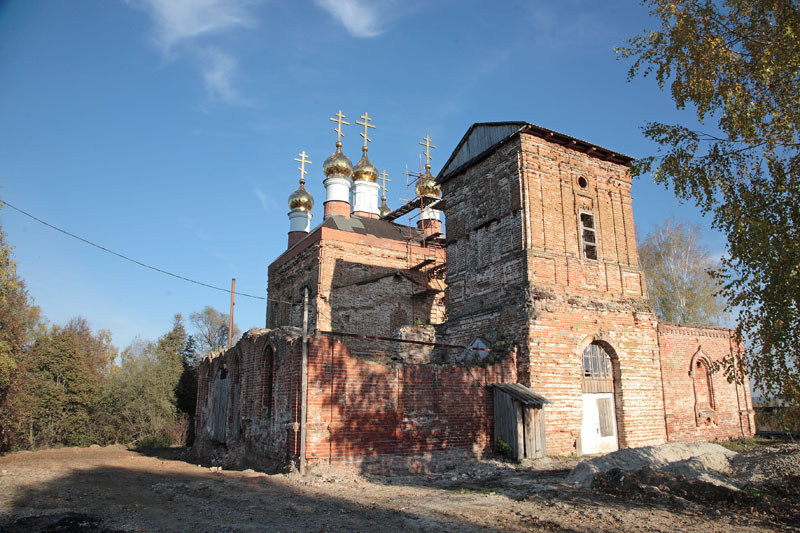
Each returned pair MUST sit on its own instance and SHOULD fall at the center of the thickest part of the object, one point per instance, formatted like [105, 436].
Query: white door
[599, 425]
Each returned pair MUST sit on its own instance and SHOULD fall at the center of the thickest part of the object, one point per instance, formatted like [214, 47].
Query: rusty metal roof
[373, 226]
[522, 393]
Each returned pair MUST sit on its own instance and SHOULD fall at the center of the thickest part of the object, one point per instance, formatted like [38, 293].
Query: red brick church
[525, 319]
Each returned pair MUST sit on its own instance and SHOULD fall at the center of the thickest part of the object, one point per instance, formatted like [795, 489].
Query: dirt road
[115, 489]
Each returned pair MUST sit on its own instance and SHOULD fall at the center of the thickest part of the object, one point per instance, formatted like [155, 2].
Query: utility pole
[304, 384]
[230, 323]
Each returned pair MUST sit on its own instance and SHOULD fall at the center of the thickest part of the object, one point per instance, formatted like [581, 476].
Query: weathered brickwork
[700, 403]
[255, 414]
[539, 265]
[358, 410]
[358, 283]
[515, 266]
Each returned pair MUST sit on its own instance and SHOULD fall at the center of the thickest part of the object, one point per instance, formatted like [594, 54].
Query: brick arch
[702, 388]
[609, 345]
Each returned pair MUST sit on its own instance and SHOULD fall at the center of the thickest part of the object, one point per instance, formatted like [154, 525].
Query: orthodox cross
[384, 179]
[366, 125]
[302, 168]
[427, 144]
[338, 129]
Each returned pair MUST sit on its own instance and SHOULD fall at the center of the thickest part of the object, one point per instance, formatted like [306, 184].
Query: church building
[511, 307]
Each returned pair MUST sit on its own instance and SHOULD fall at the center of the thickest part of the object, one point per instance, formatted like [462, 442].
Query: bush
[503, 449]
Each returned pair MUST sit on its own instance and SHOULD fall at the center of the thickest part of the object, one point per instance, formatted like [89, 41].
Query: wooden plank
[542, 433]
[505, 420]
[606, 411]
[530, 431]
[519, 426]
[594, 386]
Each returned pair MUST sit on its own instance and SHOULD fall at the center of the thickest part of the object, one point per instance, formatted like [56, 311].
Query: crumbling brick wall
[259, 408]
[700, 403]
[359, 411]
[345, 275]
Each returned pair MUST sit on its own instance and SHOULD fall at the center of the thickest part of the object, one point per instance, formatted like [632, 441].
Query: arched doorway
[599, 422]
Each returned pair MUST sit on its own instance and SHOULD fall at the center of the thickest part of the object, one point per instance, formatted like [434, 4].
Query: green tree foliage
[212, 329]
[141, 394]
[678, 267]
[19, 318]
[52, 399]
[737, 63]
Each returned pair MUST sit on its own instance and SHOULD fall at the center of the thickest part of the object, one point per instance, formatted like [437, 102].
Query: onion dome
[338, 163]
[384, 208]
[427, 186]
[301, 200]
[365, 170]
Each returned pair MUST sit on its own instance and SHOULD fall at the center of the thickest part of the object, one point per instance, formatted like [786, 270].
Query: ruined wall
[254, 417]
[362, 410]
[359, 411]
[702, 405]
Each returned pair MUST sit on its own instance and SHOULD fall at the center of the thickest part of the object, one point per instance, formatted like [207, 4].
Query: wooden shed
[519, 419]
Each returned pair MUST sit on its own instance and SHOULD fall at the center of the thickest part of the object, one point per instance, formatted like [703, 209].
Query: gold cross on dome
[427, 144]
[339, 121]
[302, 168]
[384, 179]
[366, 125]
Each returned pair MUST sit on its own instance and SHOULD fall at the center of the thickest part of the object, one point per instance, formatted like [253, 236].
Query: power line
[145, 265]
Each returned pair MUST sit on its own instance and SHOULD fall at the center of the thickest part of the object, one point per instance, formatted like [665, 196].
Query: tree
[19, 318]
[53, 396]
[212, 329]
[678, 269]
[737, 63]
[142, 394]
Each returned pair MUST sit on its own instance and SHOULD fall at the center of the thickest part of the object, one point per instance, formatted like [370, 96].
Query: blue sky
[166, 129]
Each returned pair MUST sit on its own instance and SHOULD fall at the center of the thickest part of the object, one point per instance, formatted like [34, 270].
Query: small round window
[582, 182]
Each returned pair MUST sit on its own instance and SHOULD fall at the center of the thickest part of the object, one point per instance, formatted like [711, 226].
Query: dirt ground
[114, 489]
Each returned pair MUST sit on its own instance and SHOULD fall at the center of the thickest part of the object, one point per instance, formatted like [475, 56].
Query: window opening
[588, 236]
[596, 362]
[582, 182]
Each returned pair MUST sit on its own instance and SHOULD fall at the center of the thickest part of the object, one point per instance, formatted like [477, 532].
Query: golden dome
[338, 163]
[365, 170]
[427, 186]
[301, 200]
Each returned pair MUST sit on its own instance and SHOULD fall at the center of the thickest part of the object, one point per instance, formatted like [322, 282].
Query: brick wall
[358, 410]
[702, 405]
[365, 409]
[345, 275]
[259, 421]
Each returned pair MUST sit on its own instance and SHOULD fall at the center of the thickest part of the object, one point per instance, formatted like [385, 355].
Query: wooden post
[230, 322]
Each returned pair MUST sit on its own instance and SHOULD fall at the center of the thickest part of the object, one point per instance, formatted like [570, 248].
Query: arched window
[596, 369]
[702, 386]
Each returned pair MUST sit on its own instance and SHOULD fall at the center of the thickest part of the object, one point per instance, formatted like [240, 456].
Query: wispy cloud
[179, 21]
[359, 18]
[186, 26]
[219, 70]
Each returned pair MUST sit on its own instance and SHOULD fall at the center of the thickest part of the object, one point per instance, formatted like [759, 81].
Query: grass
[741, 445]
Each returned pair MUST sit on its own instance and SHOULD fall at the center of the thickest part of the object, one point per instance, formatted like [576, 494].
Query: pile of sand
[696, 460]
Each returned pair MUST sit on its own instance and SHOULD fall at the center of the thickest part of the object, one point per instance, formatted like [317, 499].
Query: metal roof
[521, 393]
[483, 137]
[373, 226]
